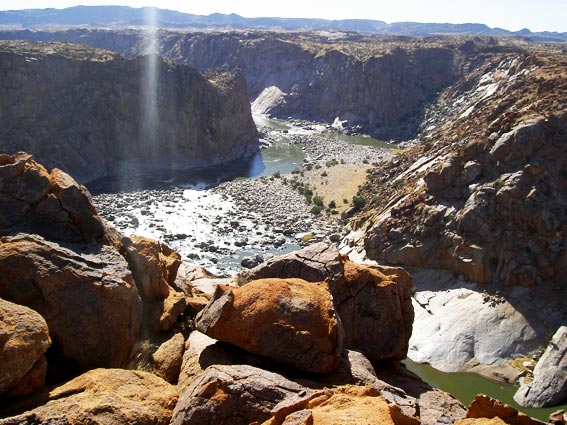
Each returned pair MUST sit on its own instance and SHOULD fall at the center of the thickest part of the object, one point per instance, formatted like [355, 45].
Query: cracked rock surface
[288, 320]
[51, 205]
[89, 300]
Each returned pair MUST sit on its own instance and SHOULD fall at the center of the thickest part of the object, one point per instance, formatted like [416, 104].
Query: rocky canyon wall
[381, 84]
[84, 110]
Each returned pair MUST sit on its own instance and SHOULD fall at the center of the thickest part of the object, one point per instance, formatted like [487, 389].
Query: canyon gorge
[454, 254]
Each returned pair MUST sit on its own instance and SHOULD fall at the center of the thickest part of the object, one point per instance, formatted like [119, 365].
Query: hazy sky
[537, 15]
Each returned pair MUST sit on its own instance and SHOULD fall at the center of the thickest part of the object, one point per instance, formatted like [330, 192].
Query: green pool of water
[465, 386]
[359, 140]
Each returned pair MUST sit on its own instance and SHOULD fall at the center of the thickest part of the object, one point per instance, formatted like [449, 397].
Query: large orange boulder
[24, 339]
[372, 302]
[88, 299]
[289, 320]
[105, 396]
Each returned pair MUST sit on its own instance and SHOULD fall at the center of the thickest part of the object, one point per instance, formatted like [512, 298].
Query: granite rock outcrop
[221, 381]
[288, 320]
[480, 197]
[373, 303]
[48, 204]
[24, 339]
[106, 396]
[484, 200]
[89, 300]
[549, 386]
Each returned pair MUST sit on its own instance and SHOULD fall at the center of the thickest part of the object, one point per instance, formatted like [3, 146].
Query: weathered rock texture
[238, 394]
[482, 195]
[105, 396]
[383, 84]
[24, 339]
[483, 327]
[549, 387]
[83, 110]
[153, 264]
[485, 407]
[221, 381]
[342, 405]
[168, 358]
[289, 320]
[485, 194]
[51, 205]
[89, 300]
[374, 304]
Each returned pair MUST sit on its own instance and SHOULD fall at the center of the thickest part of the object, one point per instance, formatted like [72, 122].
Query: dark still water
[465, 386]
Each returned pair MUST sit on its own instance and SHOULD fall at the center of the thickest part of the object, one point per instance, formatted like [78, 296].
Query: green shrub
[316, 209]
[358, 202]
[332, 204]
[318, 200]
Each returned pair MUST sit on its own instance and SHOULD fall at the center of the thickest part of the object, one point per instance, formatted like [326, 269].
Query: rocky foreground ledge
[99, 328]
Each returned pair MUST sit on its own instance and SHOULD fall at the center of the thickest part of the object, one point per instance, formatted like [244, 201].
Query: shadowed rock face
[549, 387]
[82, 110]
[24, 338]
[89, 300]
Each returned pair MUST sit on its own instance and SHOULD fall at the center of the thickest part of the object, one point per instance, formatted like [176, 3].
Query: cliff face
[382, 84]
[83, 110]
[485, 193]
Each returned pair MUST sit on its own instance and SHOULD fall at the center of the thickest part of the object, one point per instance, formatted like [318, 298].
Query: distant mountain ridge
[123, 16]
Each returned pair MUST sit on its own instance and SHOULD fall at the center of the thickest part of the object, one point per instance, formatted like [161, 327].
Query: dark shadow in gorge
[133, 177]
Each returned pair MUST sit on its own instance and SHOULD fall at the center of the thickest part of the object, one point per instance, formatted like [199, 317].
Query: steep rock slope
[483, 196]
[83, 110]
[380, 83]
